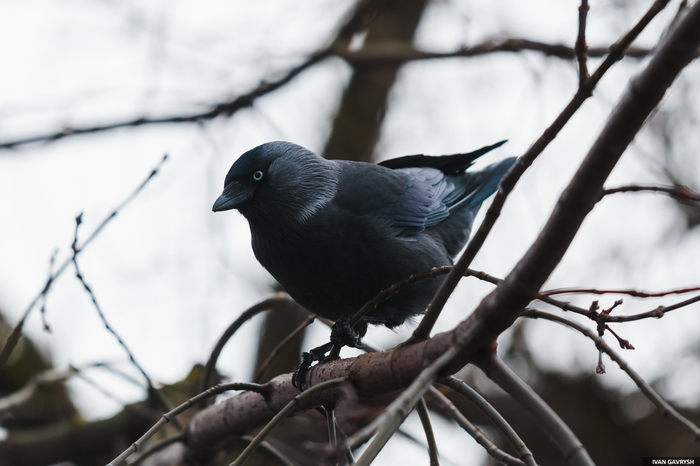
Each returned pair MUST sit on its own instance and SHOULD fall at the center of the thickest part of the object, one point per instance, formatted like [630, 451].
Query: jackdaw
[335, 233]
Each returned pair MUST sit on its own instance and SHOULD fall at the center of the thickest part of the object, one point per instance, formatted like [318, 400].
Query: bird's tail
[477, 186]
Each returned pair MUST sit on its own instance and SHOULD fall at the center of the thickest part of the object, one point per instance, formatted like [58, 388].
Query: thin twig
[422, 410]
[629, 292]
[156, 447]
[286, 411]
[17, 331]
[375, 56]
[654, 313]
[266, 305]
[42, 310]
[545, 297]
[167, 417]
[682, 193]
[394, 54]
[581, 47]
[269, 449]
[485, 407]
[560, 433]
[516, 171]
[491, 448]
[283, 344]
[646, 389]
[227, 108]
[332, 434]
[152, 391]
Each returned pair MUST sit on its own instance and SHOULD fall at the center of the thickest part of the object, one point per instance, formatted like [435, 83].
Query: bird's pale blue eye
[257, 176]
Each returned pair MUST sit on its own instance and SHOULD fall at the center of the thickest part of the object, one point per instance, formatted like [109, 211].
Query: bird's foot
[316, 354]
[343, 334]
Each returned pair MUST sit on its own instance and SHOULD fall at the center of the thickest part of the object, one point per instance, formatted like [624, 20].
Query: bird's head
[276, 178]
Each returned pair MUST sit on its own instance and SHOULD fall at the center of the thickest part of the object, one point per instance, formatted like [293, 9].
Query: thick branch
[516, 171]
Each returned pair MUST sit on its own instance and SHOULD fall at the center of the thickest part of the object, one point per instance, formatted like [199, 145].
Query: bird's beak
[233, 196]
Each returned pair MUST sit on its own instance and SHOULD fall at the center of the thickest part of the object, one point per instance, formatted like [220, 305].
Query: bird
[335, 233]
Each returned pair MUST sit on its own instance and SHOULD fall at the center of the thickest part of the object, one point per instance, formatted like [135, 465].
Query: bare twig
[17, 331]
[394, 54]
[516, 171]
[167, 417]
[682, 193]
[269, 449]
[210, 369]
[332, 433]
[629, 292]
[222, 109]
[646, 389]
[156, 447]
[581, 47]
[545, 296]
[451, 410]
[485, 407]
[42, 310]
[376, 56]
[152, 391]
[263, 367]
[557, 430]
[655, 313]
[286, 411]
[422, 410]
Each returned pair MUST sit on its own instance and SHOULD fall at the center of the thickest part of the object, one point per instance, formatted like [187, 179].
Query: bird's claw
[343, 334]
[307, 359]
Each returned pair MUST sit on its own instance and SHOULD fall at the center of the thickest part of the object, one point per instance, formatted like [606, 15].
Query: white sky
[170, 275]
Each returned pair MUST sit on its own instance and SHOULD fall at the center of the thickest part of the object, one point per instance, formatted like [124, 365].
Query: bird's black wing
[408, 199]
[448, 164]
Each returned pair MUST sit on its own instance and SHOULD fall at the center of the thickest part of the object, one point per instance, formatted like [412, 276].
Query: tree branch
[646, 389]
[13, 339]
[448, 407]
[157, 395]
[459, 386]
[381, 55]
[266, 305]
[523, 163]
[681, 193]
[166, 418]
[292, 406]
[393, 54]
[581, 47]
[422, 410]
[557, 430]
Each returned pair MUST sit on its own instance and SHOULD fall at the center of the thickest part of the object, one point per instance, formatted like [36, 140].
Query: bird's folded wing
[408, 199]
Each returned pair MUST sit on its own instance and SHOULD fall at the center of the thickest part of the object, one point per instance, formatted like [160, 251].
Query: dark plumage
[336, 233]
